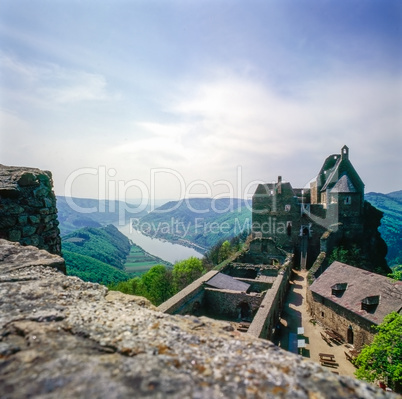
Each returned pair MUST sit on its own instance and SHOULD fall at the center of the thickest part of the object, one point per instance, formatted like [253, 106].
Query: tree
[382, 360]
[224, 251]
[157, 284]
[396, 273]
[350, 256]
[186, 271]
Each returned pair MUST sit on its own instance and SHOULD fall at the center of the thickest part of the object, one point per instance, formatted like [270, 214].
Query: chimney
[279, 184]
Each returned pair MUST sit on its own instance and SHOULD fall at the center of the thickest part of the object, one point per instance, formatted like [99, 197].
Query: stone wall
[265, 320]
[184, 301]
[340, 320]
[28, 212]
[228, 304]
[61, 337]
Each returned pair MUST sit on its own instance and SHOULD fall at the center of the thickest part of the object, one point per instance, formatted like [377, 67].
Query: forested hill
[96, 254]
[105, 255]
[199, 221]
[391, 223]
[106, 244]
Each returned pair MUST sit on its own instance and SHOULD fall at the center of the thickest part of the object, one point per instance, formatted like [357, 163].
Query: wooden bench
[334, 336]
[326, 356]
[326, 339]
[349, 356]
[329, 363]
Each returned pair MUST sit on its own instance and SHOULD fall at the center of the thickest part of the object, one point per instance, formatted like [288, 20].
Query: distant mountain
[391, 223]
[75, 213]
[396, 195]
[197, 222]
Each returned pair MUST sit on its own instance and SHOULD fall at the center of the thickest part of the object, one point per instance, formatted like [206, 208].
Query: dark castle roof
[362, 286]
[344, 185]
[335, 167]
[225, 282]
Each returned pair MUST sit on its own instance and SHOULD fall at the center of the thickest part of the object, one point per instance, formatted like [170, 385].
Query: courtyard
[295, 325]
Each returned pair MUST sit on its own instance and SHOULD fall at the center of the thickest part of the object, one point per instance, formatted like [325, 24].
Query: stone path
[295, 314]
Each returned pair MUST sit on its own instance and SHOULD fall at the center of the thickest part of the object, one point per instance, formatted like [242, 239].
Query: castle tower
[345, 152]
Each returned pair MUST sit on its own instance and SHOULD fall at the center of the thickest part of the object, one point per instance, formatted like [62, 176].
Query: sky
[172, 99]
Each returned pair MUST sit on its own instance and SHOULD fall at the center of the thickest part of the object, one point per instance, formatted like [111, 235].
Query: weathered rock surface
[64, 338]
[28, 211]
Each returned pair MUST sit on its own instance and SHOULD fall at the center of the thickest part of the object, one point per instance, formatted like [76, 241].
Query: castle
[292, 228]
[329, 213]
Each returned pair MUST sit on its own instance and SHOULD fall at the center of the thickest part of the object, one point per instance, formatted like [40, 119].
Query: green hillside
[198, 222]
[90, 269]
[105, 255]
[139, 261]
[391, 223]
[105, 244]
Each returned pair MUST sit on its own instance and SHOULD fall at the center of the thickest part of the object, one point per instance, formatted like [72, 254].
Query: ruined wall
[228, 303]
[259, 285]
[336, 318]
[265, 320]
[28, 212]
[184, 301]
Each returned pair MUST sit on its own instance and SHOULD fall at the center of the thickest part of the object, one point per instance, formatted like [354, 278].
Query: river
[162, 249]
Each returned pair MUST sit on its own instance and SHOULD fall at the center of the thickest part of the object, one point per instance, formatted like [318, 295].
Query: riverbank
[176, 241]
[163, 249]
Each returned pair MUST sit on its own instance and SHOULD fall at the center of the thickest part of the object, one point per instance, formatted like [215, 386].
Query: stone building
[333, 203]
[350, 301]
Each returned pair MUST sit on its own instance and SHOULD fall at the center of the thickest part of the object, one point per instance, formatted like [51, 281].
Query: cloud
[205, 127]
[44, 84]
[66, 87]
[235, 120]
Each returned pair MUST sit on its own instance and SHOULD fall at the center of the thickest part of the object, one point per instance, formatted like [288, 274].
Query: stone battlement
[28, 212]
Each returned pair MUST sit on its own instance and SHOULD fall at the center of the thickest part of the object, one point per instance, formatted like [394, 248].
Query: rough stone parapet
[61, 337]
[14, 256]
[28, 212]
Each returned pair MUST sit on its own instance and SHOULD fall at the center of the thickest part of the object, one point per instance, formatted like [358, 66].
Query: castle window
[289, 228]
[339, 289]
[348, 200]
[287, 208]
[370, 303]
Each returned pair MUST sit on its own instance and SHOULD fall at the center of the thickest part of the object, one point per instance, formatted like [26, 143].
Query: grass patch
[139, 261]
